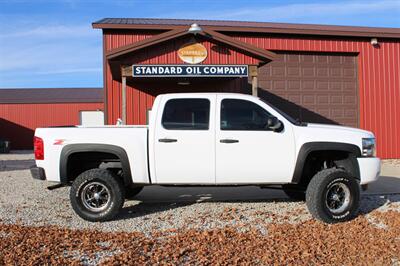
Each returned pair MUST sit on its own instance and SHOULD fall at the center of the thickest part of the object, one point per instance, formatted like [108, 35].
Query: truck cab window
[242, 115]
[186, 114]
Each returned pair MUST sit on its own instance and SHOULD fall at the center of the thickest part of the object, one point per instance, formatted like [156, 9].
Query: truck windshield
[292, 120]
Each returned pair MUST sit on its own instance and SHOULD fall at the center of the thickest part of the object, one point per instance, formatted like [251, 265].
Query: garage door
[318, 88]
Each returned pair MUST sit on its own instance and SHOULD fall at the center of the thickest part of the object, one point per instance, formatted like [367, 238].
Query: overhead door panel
[319, 88]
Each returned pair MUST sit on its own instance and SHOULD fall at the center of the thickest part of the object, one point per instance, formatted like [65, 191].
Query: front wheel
[333, 196]
[97, 195]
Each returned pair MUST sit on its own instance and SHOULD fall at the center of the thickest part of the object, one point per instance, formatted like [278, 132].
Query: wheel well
[80, 162]
[319, 160]
[77, 158]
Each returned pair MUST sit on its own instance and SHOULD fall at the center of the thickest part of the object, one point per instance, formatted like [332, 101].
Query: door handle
[167, 140]
[229, 141]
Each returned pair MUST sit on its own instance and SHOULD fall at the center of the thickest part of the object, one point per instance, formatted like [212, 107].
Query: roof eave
[261, 54]
[274, 30]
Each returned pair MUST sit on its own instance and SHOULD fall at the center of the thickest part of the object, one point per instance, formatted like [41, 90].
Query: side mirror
[274, 124]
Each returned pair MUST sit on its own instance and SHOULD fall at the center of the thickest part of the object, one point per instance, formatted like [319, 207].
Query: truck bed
[132, 138]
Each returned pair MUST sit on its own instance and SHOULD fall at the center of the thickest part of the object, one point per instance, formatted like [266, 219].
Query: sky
[51, 43]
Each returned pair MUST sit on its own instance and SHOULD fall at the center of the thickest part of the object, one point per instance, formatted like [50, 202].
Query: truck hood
[340, 128]
[330, 133]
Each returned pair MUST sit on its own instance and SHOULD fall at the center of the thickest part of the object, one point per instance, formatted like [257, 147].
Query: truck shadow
[143, 209]
[380, 194]
[158, 199]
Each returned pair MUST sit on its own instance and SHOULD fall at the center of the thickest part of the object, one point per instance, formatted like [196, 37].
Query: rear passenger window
[186, 114]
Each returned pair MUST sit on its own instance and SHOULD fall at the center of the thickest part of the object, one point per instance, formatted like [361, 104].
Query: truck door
[248, 152]
[184, 144]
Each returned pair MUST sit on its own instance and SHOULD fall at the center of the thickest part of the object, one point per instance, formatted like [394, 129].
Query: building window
[186, 114]
[243, 115]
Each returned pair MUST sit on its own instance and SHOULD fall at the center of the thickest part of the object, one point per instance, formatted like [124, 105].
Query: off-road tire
[294, 192]
[104, 178]
[132, 192]
[317, 195]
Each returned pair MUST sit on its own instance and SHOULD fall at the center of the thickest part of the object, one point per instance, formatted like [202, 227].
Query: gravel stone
[29, 202]
[183, 232]
[92, 259]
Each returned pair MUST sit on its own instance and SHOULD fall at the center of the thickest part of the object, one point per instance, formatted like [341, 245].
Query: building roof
[52, 95]
[247, 26]
[211, 35]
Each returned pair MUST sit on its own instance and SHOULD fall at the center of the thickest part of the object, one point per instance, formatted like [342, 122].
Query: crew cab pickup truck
[209, 139]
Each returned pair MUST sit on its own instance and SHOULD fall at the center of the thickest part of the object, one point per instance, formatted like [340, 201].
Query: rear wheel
[333, 195]
[97, 195]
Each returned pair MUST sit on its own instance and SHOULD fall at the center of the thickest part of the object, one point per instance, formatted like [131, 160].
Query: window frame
[185, 129]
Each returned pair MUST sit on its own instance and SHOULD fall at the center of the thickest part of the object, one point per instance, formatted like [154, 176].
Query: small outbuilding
[24, 110]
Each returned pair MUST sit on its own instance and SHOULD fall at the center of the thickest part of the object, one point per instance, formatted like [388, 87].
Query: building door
[184, 140]
[313, 87]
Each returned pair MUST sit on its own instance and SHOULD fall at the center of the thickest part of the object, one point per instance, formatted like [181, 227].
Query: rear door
[184, 144]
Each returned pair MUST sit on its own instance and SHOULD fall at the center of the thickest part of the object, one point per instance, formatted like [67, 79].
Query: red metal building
[327, 74]
[24, 110]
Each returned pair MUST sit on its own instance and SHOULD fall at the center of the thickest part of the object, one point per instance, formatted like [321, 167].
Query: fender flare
[309, 147]
[70, 149]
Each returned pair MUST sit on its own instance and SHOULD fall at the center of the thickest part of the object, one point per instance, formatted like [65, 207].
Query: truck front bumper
[38, 173]
[370, 169]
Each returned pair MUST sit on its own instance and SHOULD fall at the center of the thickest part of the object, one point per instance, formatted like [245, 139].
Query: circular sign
[193, 53]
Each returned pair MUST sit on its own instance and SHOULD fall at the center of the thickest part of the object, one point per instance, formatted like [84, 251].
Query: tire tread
[107, 177]
[315, 187]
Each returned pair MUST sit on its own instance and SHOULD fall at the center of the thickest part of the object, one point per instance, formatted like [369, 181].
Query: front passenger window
[243, 115]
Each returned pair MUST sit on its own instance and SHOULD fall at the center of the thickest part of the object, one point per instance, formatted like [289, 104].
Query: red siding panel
[116, 39]
[19, 121]
[378, 72]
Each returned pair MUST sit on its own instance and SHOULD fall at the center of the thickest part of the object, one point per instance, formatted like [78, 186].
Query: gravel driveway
[188, 230]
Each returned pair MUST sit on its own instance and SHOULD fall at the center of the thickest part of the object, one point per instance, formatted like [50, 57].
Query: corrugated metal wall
[140, 97]
[378, 71]
[19, 121]
[379, 81]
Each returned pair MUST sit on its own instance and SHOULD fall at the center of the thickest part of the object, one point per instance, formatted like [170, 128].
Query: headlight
[368, 147]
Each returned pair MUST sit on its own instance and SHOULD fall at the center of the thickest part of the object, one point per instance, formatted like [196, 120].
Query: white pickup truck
[209, 139]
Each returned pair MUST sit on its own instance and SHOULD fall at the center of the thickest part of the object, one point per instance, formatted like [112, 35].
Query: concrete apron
[389, 181]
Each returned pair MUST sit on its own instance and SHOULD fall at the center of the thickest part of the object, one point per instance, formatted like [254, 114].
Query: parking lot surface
[193, 225]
